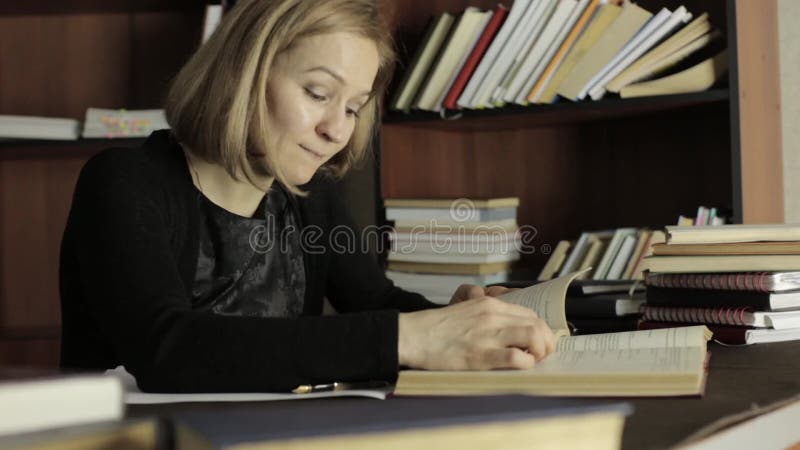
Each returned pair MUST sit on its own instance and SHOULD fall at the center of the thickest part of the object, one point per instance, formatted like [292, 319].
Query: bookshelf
[612, 163]
[575, 166]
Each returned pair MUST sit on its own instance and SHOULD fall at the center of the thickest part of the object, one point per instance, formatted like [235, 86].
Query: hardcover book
[667, 362]
[510, 422]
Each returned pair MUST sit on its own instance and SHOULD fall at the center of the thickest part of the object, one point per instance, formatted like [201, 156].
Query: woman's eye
[353, 112]
[314, 95]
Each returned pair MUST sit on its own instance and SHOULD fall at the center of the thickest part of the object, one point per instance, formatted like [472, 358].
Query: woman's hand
[477, 334]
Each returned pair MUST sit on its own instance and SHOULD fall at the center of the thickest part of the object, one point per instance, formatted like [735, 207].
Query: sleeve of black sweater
[133, 290]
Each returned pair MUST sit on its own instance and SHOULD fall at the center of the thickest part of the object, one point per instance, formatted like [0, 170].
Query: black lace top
[250, 266]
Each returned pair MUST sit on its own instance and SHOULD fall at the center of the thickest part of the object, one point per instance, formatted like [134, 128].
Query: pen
[338, 386]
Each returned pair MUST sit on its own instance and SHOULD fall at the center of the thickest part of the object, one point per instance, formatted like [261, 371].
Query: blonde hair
[216, 105]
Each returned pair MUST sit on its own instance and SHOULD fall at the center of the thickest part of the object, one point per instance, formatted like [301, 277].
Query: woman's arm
[130, 282]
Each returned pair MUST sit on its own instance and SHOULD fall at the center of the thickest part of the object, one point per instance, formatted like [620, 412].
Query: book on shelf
[449, 214]
[620, 261]
[555, 261]
[454, 257]
[602, 19]
[211, 19]
[762, 301]
[722, 263]
[456, 47]
[737, 316]
[464, 423]
[580, 249]
[685, 37]
[656, 237]
[478, 51]
[450, 268]
[597, 246]
[614, 246]
[525, 31]
[699, 77]
[34, 127]
[33, 401]
[732, 233]
[534, 88]
[733, 335]
[490, 60]
[732, 248]
[642, 240]
[532, 63]
[122, 123]
[455, 226]
[627, 24]
[629, 363]
[452, 203]
[739, 281]
[640, 44]
[426, 52]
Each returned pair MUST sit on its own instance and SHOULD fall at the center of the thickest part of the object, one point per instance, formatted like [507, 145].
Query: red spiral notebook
[489, 32]
[723, 316]
[741, 281]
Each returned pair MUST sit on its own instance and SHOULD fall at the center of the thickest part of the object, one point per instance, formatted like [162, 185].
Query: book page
[547, 299]
[663, 338]
[618, 361]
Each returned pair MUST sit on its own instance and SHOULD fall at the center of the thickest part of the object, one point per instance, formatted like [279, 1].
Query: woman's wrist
[405, 340]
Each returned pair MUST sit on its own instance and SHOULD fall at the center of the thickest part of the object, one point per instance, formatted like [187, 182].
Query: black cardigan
[128, 260]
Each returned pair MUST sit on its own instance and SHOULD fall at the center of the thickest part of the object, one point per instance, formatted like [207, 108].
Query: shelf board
[37, 148]
[57, 7]
[560, 113]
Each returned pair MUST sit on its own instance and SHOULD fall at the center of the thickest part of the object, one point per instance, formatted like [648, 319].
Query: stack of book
[33, 127]
[439, 244]
[539, 50]
[611, 254]
[122, 123]
[742, 281]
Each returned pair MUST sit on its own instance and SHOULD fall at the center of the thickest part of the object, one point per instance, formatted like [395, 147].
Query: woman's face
[314, 95]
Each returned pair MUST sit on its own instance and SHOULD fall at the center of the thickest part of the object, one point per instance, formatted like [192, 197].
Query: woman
[168, 265]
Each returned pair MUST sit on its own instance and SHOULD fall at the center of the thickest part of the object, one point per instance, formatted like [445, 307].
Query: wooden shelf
[561, 113]
[36, 148]
[40, 7]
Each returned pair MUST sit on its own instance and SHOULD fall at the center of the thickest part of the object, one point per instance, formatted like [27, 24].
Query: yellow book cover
[554, 63]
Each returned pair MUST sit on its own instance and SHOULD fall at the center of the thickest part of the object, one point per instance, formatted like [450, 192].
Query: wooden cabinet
[574, 166]
[56, 59]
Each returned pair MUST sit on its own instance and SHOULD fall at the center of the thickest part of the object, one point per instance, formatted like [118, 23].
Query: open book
[665, 362]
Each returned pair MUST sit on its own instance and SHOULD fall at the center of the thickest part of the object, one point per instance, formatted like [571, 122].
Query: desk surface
[738, 378]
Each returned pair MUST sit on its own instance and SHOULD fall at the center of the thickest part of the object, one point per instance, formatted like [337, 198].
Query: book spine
[488, 34]
[719, 316]
[743, 281]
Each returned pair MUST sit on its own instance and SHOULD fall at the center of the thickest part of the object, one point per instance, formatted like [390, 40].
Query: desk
[738, 378]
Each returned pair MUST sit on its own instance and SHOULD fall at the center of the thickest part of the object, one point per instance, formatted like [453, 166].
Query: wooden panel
[34, 201]
[60, 65]
[161, 44]
[30, 352]
[759, 111]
